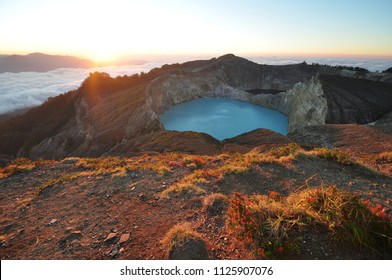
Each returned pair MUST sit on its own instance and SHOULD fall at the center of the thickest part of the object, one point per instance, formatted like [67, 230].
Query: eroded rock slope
[106, 113]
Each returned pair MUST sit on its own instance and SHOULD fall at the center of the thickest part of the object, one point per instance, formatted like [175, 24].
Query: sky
[110, 29]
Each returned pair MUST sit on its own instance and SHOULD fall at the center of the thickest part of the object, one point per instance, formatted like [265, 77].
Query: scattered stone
[63, 244]
[8, 228]
[110, 238]
[142, 197]
[69, 229]
[77, 234]
[124, 237]
[52, 221]
[75, 242]
[114, 251]
[85, 242]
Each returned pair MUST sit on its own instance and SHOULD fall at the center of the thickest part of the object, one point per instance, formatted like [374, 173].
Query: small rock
[110, 238]
[69, 229]
[143, 197]
[77, 234]
[114, 251]
[75, 242]
[52, 221]
[85, 242]
[124, 237]
[63, 243]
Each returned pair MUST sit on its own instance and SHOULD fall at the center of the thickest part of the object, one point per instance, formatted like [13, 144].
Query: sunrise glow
[107, 30]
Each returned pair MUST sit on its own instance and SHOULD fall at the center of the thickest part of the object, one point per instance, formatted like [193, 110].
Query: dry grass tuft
[215, 204]
[183, 189]
[271, 223]
[182, 242]
[20, 165]
[333, 154]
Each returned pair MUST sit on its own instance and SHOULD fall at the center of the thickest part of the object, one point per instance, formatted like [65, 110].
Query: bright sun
[103, 54]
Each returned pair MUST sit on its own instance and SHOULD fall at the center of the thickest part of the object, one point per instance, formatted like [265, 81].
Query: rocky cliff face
[105, 112]
[305, 104]
[319, 100]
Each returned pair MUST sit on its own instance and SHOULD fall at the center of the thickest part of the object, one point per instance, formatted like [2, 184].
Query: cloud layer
[372, 64]
[27, 89]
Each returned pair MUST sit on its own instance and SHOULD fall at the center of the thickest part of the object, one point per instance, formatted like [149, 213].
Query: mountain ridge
[40, 62]
[105, 111]
[122, 187]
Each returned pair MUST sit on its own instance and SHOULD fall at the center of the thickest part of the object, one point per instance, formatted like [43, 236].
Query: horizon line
[211, 55]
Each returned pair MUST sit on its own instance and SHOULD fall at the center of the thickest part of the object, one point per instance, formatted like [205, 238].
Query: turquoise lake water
[222, 118]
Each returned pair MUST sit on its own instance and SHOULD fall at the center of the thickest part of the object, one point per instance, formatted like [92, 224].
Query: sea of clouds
[372, 64]
[27, 89]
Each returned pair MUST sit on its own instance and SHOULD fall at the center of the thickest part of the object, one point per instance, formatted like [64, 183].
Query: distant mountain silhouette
[40, 62]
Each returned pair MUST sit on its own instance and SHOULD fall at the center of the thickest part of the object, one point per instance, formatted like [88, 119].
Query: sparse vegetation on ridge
[20, 165]
[272, 224]
[268, 225]
[182, 242]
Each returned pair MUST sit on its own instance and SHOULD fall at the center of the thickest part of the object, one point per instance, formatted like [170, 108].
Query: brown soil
[90, 216]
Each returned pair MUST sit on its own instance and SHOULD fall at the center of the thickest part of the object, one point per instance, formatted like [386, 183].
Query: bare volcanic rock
[105, 113]
[352, 100]
[168, 141]
[264, 139]
[364, 143]
[356, 138]
[331, 99]
[384, 123]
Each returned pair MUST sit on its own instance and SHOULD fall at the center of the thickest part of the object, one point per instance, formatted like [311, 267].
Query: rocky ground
[121, 208]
